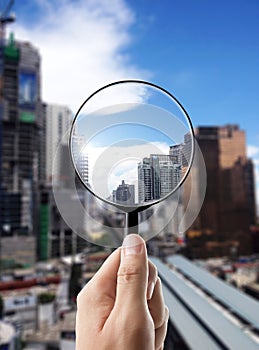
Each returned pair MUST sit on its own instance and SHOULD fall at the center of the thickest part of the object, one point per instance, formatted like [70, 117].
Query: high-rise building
[229, 205]
[167, 173]
[145, 181]
[158, 175]
[125, 194]
[22, 114]
[80, 157]
[58, 121]
[21, 125]
[176, 151]
[57, 239]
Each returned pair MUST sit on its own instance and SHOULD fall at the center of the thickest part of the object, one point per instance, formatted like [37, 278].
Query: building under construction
[22, 158]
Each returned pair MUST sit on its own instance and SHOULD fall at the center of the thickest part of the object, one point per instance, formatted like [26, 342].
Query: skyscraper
[58, 121]
[229, 206]
[145, 181]
[21, 120]
[167, 173]
[176, 151]
[158, 175]
[22, 113]
[125, 194]
[80, 157]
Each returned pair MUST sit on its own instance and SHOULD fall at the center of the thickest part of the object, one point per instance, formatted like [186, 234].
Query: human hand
[122, 307]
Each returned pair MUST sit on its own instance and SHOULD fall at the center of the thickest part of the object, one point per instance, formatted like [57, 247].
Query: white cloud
[126, 170]
[82, 44]
[252, 151]
[108, 166]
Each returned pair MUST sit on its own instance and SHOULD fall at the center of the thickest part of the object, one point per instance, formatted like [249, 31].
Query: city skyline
[158, 176]
[55, 234]
[50, 231]
[118, 137]
[26, 115]
[218, 85]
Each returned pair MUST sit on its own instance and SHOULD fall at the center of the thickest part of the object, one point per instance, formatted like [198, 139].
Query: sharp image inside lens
[130, 150]
[127, 162]
[131, 146]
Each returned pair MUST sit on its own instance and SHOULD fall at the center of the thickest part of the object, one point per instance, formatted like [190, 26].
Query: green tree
[45, 298]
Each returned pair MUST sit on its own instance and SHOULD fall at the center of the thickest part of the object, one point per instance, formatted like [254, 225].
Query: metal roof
[196, 337]
[244, 306]
[221, 329]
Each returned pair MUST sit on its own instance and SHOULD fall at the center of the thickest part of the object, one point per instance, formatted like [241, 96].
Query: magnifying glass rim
[155, 201]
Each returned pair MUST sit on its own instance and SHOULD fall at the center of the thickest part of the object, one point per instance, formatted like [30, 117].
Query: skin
[122, 307]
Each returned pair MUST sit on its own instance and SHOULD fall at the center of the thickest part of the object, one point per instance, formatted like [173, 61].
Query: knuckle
[88, 298]
[152, 274]
[161, 318]
[80, 299]
[129, 272]
[152, 267]
[142, 321]
[159, 283]
[83, 296]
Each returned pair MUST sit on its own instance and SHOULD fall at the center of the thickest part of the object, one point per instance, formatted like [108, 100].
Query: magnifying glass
[131, 145]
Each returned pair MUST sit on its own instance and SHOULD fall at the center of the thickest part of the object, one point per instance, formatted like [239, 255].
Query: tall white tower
[80, 157]
[58, 122]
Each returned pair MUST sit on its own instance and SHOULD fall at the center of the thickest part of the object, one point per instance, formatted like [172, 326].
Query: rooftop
[202, 320]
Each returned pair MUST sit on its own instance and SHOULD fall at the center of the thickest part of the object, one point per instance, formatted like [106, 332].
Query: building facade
[145, 181]
[124, 194]
[58, 121]
[158, 175]
[80, 157]
[22, 168]
[229, 206]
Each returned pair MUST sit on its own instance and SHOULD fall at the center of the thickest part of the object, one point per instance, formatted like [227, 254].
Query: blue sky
[207, 53]
[204, 52]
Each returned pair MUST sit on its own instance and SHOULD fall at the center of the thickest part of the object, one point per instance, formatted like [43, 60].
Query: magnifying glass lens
[134, 153]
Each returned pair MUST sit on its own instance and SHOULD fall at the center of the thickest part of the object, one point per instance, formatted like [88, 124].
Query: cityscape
[158, 176]
[209, 271]
[155, 177]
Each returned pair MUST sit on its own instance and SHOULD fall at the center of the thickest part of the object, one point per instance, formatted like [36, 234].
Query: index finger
[97, 297]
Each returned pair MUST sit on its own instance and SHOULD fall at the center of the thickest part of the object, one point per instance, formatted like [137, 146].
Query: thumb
[132, 277]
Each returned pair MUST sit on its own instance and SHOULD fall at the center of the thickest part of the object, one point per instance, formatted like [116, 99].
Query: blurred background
[53, 55]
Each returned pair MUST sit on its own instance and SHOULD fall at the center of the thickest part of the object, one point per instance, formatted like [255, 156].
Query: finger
[152, 278]
[156, 305]
[104, 281]
[105, 278]
[97, 298]
[160, 333]
[133, 273]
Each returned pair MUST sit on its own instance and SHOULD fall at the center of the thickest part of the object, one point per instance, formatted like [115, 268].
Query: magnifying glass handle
[131, 222]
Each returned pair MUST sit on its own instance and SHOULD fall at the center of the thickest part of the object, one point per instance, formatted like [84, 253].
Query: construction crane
[5, 16]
